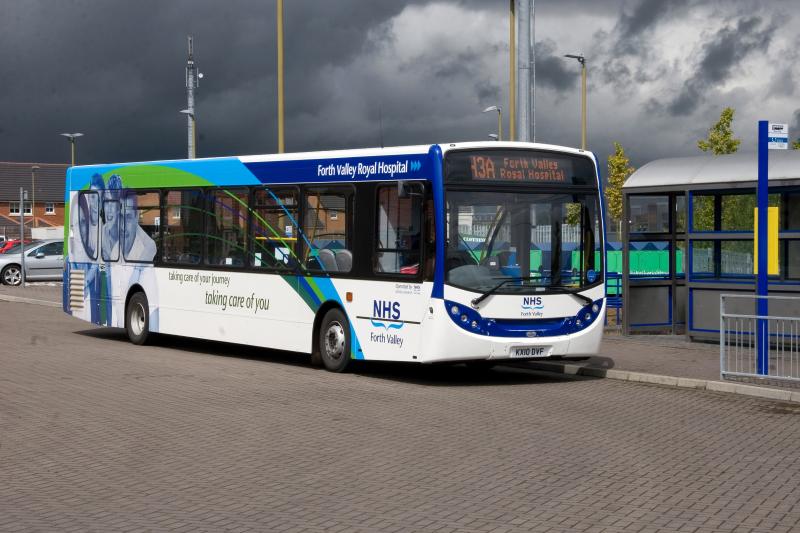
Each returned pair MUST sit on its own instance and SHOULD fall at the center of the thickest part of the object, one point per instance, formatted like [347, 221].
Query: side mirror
[39, 255]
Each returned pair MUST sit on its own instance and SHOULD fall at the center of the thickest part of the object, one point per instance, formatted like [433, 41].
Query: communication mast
[192, 82]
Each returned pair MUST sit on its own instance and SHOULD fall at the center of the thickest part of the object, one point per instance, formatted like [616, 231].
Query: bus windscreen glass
[519, 167]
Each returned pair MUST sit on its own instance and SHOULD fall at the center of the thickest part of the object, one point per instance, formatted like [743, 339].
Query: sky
[362, 72]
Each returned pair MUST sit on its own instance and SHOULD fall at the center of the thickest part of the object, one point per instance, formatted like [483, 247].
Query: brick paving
[100, 435]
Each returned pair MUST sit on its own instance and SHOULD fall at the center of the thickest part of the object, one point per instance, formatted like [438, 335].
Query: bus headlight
[464, 318]
[588, 317]
[595, 308]
[474, 324]
[455, 310]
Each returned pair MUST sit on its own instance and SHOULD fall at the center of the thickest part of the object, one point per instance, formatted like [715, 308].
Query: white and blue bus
[469, 252]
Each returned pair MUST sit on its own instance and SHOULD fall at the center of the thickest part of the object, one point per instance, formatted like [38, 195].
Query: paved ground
[99, 435]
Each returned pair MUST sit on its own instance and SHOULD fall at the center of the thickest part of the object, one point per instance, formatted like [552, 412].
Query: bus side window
[326, 225]
[274, 230]
[398, 239]
[227, 228]
[184, 226]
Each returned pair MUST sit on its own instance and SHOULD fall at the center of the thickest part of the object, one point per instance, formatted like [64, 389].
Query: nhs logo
[532, 307]
[386, 314]
[532, 302]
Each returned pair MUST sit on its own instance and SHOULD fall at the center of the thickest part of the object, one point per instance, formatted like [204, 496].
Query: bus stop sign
[778, 136]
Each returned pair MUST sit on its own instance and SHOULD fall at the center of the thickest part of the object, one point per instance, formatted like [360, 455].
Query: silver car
[44, 260]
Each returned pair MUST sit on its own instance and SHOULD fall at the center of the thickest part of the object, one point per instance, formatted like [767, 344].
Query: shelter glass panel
[703, 212]
[738, 211]
[680, 213]
[649, 259]
[792, 221]
[736, 258]
[703, 259]
[649, 214]
[792, 261]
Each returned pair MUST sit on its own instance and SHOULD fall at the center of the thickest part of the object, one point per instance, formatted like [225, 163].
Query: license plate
[531, 351]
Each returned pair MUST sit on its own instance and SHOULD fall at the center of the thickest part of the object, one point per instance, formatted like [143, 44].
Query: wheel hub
[334, 341]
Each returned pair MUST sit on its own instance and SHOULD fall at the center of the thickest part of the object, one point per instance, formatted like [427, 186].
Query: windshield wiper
[483, 296]
[566, 290]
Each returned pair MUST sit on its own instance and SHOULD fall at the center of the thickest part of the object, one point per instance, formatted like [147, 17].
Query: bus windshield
[534, 240]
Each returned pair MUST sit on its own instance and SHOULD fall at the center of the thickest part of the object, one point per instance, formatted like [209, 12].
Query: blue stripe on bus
[369, 168]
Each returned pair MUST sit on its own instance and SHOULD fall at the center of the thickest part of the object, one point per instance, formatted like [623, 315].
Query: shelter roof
[709, 169]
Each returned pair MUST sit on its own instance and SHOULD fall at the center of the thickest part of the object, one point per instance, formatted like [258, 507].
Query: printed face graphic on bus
[130, 222]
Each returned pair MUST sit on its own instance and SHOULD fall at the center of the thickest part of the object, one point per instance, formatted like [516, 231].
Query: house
[44, 207]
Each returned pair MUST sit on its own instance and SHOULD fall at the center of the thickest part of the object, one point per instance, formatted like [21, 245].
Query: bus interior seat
[327, 259]
[344, 260]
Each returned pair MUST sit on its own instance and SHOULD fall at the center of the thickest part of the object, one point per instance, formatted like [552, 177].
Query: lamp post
[499, 119]
[72, 137]
[193, 145]
[281, 139]
[34, 168]
[582, 61]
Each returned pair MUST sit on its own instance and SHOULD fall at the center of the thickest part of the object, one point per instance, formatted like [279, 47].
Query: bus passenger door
[390, 319]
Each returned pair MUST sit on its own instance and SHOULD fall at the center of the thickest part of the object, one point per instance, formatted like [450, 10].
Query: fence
[738, 346]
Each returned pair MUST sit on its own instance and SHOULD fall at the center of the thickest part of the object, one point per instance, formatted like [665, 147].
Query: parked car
[7, 245]
[44, 260]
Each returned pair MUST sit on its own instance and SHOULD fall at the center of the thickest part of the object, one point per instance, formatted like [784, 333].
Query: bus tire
[334, 341]
[137, 319]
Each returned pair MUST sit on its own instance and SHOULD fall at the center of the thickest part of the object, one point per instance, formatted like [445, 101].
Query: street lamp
[193, 146]
[499, 119]
[72, 137]
[34, 168]
[582, 61]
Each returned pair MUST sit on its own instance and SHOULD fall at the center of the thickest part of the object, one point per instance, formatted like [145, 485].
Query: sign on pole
[778, 136]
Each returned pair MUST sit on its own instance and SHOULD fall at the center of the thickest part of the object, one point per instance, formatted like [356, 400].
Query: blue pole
[762, 333]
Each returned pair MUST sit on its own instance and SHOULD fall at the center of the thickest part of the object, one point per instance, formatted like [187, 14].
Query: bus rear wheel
[137, 319]
[334, 341]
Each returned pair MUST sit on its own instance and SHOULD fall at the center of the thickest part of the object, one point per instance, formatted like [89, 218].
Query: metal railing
[759, 346]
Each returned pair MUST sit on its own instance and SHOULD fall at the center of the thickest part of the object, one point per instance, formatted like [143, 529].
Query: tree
[619, 169]
[720, 137]
[796, 144]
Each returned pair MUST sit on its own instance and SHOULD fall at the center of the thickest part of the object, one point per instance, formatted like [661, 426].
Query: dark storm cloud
[643, 16]
[553, 70]
[720, 56]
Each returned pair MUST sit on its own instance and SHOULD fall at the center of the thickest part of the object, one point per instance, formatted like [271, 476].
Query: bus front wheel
[334, 341]
[137, 319]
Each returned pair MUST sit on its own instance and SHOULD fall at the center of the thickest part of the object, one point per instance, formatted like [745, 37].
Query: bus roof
[397, 162]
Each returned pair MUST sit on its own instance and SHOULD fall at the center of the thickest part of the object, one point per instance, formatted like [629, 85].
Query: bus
[468, 252]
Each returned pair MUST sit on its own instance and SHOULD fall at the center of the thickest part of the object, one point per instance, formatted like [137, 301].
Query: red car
[7, 245]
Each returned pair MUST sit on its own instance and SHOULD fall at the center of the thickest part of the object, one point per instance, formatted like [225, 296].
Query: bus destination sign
[519, 166]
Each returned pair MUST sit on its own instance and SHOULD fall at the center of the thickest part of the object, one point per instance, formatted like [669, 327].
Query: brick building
[44, 206]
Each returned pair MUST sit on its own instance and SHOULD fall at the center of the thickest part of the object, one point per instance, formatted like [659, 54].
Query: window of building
[274, 228]
[226, 231]
[13, 209]
[398, 230]
[49, 208]
[326, 225]
[140, 226]
[183, 235]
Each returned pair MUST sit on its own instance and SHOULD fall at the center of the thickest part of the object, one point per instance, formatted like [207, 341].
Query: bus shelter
[689, 238]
